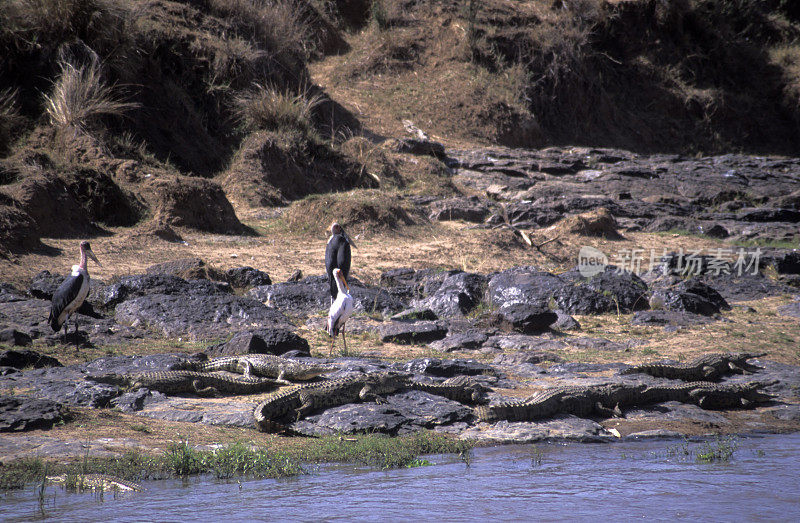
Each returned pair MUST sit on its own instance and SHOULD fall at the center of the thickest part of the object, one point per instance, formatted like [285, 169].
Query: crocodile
[295, 402]
[607, 400]
[462, 389]
[350, 390]
[710, 367]
[94, 481]
[181, 381]
[267, 365]
[709, 395]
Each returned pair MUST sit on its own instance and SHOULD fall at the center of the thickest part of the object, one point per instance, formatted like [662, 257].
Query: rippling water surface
[626, 480]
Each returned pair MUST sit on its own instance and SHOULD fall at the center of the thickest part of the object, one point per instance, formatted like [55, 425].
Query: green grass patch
[382, 451]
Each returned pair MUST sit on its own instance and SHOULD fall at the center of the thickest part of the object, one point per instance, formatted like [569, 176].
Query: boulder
[130, 287]
[447, 368]
[791, 310]
[456, 296]
[412, 332]
[198, 316]
[524, 318]
[358, 418]
[26, 358]
[245, 277]
[468, 340]
[14, 338]
[276, 341]
[565, 322]
[690, 295]
[415, 314]
[18, 414]
[523, 285]
[612, 290]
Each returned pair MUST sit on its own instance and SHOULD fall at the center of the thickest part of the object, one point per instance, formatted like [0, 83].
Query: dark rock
[415, 314]
[612, 290]
[690, 296]
[27, 358]
[137, 400]
[197, 316]
[245, 277]
[788, 263]
[360, 418]
[457, 295]
[9, 293]
[428, 410]
[668, 317]
[470, 209]
[468, 340]
[565, 322]
[525, 318]
[14, 338]
[716, 231]
[532, 357]
[130, 287]
[18, 414]
[312, 294]
[5, 371]
[408, 332]
[523, 285]
[447, 368]
[264, 341]
[762, 214]
[82, 394]
[420, 147]
[394, 277]
[792, 310]
[297, 275]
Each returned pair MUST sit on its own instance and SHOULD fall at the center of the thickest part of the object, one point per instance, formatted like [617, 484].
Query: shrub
[79, 97]
[268, 108]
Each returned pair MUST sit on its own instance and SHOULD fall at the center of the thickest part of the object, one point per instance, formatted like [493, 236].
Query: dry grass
[270, 108]
[787, 57]
[79, 97]
[10, 117]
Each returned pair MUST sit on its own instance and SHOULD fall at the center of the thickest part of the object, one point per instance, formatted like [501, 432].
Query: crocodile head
[303, 372]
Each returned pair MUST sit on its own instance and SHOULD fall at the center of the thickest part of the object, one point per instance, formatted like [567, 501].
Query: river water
[653, 480]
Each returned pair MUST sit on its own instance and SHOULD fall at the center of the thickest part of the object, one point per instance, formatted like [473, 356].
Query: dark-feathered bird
[337, 256]
[72, 292]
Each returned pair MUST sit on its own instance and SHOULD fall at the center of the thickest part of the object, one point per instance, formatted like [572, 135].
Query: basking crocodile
[607, 400]
[708, 395]
[180, 381]
[710, 367]
[296, 402]
[462, 389]
[94, 481]
[268, 365]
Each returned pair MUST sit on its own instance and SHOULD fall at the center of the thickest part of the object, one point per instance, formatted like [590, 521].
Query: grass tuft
[79, 97]
[272, 109]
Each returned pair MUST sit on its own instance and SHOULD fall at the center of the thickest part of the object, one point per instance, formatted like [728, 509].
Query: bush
[270, 109]
[79, 97]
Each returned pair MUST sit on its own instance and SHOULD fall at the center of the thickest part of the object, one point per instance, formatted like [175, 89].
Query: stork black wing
[337, 256]
[64, 295]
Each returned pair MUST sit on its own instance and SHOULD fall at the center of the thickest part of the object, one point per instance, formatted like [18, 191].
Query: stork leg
[344, 341]
[333, 341]
[75, 334]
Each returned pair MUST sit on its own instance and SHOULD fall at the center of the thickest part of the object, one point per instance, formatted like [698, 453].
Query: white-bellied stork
[341, 309]
[337, 256]
[72, 292]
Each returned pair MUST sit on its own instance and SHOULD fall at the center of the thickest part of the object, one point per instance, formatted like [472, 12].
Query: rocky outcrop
[18, 414]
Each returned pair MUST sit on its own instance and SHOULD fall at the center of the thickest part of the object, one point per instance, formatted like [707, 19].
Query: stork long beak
[347, 237]
[91, 255]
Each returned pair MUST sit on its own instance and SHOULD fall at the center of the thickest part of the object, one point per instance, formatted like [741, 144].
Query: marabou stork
[337, 256]
[72, 292]
[341, 309]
